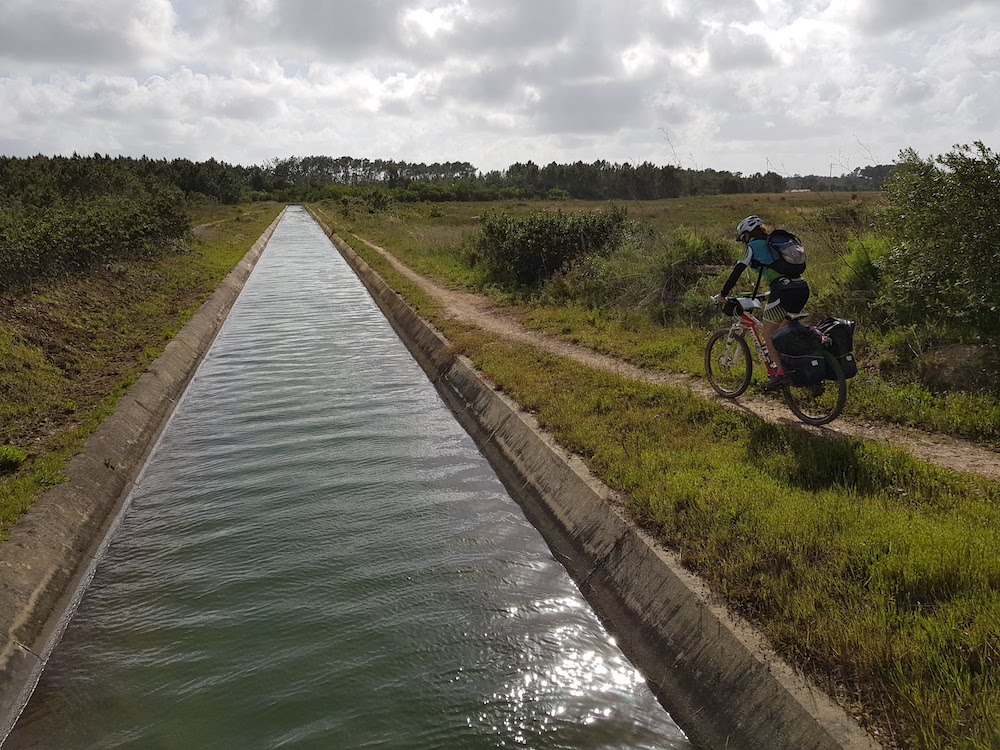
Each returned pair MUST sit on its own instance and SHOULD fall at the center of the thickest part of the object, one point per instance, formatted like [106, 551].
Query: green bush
[646, 272]
[861, 270]
[943, 219]
[51, 226]
[522, 252]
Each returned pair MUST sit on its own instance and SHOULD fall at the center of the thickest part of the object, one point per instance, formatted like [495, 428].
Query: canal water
[316, 556]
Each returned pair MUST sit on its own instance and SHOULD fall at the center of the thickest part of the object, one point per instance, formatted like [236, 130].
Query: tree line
[65, 214]
[39, 179]
[316, 177]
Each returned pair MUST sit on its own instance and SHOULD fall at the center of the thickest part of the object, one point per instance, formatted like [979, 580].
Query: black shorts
[787, 296]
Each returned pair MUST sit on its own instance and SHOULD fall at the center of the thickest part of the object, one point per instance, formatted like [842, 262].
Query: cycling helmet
[746, 226]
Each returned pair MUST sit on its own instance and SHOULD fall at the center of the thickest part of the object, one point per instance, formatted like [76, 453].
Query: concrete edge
[50, 557]
[711, 670]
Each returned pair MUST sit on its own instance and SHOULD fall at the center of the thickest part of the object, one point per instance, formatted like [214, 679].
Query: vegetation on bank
[64, 217]
[877, 574]
[926, 337]
[71, 345]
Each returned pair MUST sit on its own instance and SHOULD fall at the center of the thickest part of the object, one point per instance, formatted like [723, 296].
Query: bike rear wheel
[822, 403]
[728, 363]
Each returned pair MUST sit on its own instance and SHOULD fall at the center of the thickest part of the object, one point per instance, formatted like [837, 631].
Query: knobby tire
[823, 403]
[730, 379]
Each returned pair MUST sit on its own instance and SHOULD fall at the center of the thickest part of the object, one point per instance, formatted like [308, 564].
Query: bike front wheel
[822, 403]
[728, 364]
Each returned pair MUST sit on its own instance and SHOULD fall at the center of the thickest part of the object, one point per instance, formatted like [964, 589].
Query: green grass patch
[71, 347]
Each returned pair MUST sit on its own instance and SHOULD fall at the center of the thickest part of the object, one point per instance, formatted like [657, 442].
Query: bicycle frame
[747, 323]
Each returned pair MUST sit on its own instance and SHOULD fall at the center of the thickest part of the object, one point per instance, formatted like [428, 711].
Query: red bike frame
[755, 326]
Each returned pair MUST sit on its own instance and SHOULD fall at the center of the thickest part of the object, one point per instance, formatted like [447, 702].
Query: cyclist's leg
[773, 317]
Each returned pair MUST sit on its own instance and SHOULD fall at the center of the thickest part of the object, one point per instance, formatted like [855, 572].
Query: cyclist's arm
[738, 270]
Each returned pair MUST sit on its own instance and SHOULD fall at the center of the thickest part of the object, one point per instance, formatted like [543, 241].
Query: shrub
[524, 252]
[43, 234]
[646, 272]
[943, 219]
[861, 271]
[377, 201]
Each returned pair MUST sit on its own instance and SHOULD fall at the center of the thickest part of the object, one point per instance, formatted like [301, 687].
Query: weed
[11, 457]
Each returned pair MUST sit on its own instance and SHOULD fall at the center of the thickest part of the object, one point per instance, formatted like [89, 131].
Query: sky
[791, 86]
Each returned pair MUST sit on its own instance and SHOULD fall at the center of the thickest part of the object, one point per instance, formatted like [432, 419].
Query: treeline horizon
[309, 178]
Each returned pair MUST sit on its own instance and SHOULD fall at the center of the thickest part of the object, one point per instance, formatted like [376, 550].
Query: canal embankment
[50, 555]
[715, 675]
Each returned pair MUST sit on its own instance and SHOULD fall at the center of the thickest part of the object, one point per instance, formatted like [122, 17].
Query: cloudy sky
[797, 86]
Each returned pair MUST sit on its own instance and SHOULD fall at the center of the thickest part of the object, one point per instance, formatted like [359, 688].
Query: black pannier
[801, 353]
[841, 346]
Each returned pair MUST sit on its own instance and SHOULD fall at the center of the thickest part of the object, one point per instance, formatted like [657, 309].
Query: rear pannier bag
[841, 346]
[801, 353]
[805, 369]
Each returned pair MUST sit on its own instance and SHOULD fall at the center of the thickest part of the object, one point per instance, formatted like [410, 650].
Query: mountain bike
[729, 366]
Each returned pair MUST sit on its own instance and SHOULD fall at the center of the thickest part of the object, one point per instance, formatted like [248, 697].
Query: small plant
[377, 201]
[11, 458]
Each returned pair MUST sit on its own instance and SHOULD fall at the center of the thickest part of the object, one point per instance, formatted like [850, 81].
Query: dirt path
[942, 450]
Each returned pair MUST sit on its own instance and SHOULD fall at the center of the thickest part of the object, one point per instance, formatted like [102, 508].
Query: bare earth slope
[942, 450]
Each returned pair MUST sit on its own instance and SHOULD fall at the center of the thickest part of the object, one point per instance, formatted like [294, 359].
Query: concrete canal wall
[722, 685]
[50, 557]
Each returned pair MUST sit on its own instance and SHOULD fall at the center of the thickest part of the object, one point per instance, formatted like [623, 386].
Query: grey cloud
[514, 26]
[483, 30]
[494, 85]
[589, 108]
[342, 29]
[735, 51]
[886, 16]
[75, 34]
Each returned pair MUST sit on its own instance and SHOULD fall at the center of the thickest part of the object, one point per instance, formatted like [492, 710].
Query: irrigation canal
[317, 556]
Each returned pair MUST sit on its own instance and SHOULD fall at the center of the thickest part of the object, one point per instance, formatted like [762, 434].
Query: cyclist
[788, 293]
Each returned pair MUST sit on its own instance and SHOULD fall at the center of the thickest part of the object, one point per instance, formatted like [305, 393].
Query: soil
[941, 450]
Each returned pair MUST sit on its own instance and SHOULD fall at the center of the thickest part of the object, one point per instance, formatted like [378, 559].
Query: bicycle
[729, 366]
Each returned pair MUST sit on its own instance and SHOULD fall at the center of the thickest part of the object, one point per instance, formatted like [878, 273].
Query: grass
[71, 347]
[875, 573]
[433, 240]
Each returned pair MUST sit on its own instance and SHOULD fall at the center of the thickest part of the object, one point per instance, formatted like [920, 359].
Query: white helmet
[746, 226]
